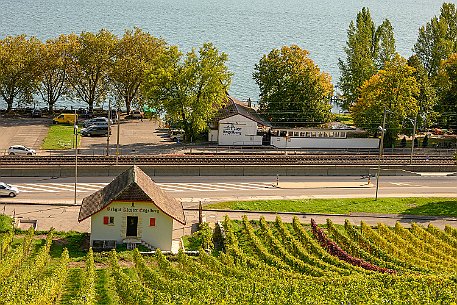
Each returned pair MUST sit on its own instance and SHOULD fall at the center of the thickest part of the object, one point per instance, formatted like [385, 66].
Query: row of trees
[375, 78]
[134, 69]
[138, 68]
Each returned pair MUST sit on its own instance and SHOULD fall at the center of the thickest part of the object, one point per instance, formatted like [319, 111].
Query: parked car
[176, 135]
[65, 118]
[136, 114]
[97, 121]
[21, 150]
[36, 113]
[95, 130]
[8, 190]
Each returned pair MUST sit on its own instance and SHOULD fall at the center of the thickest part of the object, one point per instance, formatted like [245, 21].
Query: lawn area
[409, 206]
[59, 137]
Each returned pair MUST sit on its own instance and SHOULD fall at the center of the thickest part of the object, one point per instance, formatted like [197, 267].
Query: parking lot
[135, 137]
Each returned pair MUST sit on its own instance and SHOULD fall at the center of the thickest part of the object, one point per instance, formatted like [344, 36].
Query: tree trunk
[9, 103]
[128, 104]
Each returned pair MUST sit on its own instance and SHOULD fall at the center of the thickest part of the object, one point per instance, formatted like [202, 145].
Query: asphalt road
[191, 190]
[49, 202]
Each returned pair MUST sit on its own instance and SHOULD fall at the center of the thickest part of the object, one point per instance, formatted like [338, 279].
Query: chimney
[249, 102]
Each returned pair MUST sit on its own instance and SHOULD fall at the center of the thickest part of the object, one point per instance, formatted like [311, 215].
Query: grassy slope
[410, 206]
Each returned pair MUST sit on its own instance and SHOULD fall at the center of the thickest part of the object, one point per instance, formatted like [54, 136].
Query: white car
[21, 150]
[8, 190]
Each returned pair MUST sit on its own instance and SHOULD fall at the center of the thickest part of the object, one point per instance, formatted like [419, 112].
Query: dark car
[95, 130]
[36, 113]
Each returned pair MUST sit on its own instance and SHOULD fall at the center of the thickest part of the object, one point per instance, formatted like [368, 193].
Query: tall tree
[19, 73]
[437, 39]
[293, 90]
[393, 89]
[385, 44]
[91, 57]
[135, 53]
[367, 49]
[447, 90]
[55, 58]
[427, 98]
[190, 90]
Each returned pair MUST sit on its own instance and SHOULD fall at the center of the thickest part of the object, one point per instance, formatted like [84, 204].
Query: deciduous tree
[55, 58]
[135, 53]
[393, 89]
[437, 39]
[19, 69]
[367, 49]
[191, 89]
[427, 98]
[91, 57]
[447, 90]
[293, 90]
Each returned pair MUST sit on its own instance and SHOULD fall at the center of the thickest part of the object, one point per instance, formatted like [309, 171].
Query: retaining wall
[227, 170]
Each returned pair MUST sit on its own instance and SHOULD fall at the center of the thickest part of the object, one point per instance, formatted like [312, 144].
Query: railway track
[308, 159]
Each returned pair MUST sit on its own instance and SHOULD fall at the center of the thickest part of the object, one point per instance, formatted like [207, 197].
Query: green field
[260, 263]
[409, 206]
[60, 137]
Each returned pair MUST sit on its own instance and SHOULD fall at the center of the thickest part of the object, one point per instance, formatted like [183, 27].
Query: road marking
[170, 187]
[405, 184]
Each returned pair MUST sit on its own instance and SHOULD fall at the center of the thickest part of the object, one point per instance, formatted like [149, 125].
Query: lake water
[245, 30]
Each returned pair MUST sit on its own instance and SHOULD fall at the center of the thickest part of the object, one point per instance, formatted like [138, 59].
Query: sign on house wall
[231, 129]
[149, 224]
[238, 130]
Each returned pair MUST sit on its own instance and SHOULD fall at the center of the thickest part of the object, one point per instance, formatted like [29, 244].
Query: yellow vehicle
[65, 118]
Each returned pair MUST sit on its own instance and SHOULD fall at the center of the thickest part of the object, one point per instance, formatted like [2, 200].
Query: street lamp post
[381, 148]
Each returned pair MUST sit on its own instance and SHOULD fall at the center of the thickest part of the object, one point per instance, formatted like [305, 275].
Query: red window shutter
[105, 220]
[152, 222]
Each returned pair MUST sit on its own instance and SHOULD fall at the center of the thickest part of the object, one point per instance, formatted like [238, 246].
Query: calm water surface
[245, 30]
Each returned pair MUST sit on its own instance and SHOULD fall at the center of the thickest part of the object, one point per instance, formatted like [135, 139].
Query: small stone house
[132, 210]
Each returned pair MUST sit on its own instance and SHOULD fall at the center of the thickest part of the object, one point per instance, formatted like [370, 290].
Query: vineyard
[260, 263]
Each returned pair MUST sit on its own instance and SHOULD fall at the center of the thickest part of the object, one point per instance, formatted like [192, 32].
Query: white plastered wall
[159, 236]
[367, 143]
[238, 130]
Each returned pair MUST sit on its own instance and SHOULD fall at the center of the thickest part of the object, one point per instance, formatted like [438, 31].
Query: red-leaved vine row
[335, 250]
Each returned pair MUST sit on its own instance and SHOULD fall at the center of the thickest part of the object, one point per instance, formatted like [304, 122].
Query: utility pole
[109, 127]
[75, 128]
[381, 149]
[118, 117]
[413, 139]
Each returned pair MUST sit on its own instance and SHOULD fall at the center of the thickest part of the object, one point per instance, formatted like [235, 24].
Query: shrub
[6, 223]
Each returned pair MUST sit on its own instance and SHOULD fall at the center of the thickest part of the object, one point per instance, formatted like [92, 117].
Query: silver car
[21, 150]
[97, 121]
[8, 190]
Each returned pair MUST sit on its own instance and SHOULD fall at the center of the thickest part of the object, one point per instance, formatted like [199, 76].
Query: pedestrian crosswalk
[169, 187]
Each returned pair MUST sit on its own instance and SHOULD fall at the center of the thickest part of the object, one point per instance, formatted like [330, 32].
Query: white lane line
[204, 186]
[187, 187]
[29, 189]
[65, 186]
[405, 184]
[224, 186]
[83, 187]
[244, 186]
[47, 187]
